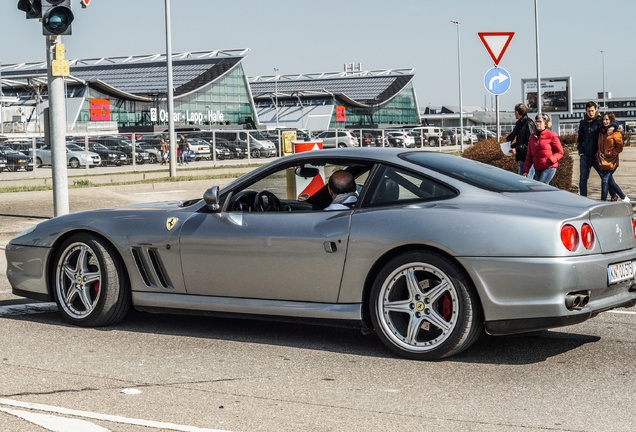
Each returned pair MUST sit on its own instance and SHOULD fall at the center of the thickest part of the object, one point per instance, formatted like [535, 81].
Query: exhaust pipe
[576, 300]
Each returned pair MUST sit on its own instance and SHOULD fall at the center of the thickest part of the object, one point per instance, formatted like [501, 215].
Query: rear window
[475, 173]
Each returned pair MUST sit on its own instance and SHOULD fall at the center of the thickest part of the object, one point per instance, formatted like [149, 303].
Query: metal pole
[536, 32]
[276, 94]
[57, 134]
[1, 102]
[172, 137]
[603, 59]
[459, 67]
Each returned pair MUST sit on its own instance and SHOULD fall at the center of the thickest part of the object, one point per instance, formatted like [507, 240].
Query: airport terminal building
[210, 90]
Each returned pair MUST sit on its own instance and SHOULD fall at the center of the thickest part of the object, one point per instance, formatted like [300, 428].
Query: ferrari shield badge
[171, 222]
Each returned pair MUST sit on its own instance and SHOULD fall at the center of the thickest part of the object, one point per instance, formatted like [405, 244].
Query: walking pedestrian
[520, 135]
[610, 144]
[164, 151]
[544, 150]
[183, 148]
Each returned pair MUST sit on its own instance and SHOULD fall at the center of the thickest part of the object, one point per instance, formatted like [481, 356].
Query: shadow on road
[505, 350]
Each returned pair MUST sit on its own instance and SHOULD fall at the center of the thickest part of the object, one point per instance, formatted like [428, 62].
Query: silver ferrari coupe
[437, 250]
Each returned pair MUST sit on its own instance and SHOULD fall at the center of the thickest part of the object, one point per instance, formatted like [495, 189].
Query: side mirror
[211, 198]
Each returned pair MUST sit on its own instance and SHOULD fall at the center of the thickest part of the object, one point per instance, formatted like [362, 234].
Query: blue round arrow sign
[497, 80]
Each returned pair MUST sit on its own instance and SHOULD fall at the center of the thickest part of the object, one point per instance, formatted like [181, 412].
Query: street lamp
[459, 68]
[603, 59]
[276, 94]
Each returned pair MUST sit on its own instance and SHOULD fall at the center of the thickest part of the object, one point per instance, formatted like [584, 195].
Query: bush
[489, 152]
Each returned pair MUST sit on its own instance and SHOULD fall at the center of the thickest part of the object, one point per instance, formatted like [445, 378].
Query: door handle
[330, 247]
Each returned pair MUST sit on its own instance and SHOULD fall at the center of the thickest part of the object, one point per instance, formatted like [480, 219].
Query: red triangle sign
[496, 43]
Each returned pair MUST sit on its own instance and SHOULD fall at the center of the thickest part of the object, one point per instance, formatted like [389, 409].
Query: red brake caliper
[447, 307]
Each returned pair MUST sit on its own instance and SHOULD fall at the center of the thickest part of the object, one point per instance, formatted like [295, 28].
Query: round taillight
[587, 236]
[569, 237]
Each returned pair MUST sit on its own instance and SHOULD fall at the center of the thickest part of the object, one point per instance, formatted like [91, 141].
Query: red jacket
[544, 151]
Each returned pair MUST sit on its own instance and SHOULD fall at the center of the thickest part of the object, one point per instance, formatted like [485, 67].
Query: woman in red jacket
[544, 150]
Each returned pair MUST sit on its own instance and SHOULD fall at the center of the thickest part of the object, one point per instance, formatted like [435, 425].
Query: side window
[398, 186]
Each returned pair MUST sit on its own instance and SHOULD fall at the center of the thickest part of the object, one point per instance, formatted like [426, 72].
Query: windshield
[476, 173]
[99, 146]
[258, 136]
[74, 147]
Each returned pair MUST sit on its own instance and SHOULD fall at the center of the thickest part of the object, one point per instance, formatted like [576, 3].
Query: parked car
[408, 140]
[432, 133]
[449, 137]
[233, 149]
[109, 156]
[125, 146]
[483, 133]
[366, 139]
[15, 160]
[3, 163]
[427, 291]
[25, 147]
[258, 145]
[199, 148]
[154, 154]
[76, 156]
[344, 138]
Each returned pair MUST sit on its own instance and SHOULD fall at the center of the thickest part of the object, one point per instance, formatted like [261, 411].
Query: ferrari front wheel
[424, 307]
[90, 284]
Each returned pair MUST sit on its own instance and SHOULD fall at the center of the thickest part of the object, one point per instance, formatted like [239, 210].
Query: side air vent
[150, 268]
[156, 264]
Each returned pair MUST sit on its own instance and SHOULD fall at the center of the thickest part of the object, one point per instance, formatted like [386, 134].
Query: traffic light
[33, 8]
[56, 17]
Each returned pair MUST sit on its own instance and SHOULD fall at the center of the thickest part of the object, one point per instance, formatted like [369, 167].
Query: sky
[300, 36]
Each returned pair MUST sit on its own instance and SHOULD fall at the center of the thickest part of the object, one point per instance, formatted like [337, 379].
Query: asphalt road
[170, 372]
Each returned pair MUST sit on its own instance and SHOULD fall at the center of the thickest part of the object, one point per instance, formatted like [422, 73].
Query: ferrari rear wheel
[91, 288]
[424, 307]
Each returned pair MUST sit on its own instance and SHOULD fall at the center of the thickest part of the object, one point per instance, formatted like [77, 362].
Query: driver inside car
[342, 188]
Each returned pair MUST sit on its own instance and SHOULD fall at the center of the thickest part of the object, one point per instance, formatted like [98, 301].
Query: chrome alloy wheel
[78, 280]
[418, 307]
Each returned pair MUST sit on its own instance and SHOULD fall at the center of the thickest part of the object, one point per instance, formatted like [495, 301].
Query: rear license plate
[620, 272]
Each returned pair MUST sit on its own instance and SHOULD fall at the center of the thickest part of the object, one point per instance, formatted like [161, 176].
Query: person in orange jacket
[610, 144]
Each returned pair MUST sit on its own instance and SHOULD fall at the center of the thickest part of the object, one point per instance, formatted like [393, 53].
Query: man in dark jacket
[587, 145]
[520, 135]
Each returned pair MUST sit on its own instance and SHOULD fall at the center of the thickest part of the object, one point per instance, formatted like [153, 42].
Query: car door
[297, 256]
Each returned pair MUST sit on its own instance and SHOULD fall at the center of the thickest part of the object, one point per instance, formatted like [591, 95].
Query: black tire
[152, 159]
[341, 145]
[433, 142]
[89, 282]
[255, 153]
[428, 295]
[38, 162]
[74, 163]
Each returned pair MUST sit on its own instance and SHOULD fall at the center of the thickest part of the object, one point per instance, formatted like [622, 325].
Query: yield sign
[496, 43]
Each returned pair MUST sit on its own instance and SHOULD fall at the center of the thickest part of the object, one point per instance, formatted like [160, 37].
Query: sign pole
[497, 117]
[57, 131]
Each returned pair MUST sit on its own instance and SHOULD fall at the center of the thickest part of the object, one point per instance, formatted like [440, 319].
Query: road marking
[27, 309]
[54, 423]
[104, 417]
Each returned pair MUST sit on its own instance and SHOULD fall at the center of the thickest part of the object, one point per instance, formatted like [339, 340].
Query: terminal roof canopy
[140, 76]
[361, 88]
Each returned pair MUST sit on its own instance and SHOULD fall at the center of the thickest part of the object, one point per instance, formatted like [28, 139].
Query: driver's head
[340, 182]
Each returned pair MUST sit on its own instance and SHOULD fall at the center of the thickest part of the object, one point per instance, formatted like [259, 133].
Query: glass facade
[401, 109]
[226, 101]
